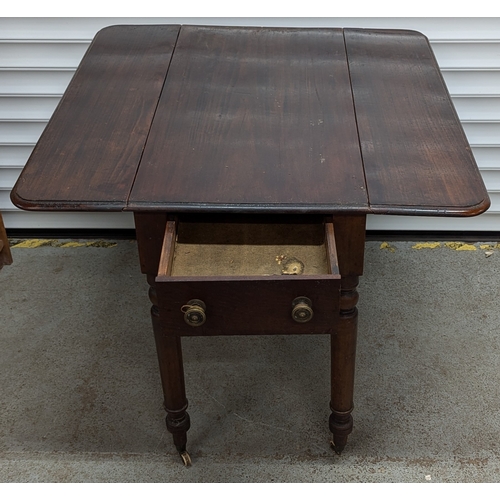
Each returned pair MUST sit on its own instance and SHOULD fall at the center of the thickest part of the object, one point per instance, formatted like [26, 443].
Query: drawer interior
[249, 249]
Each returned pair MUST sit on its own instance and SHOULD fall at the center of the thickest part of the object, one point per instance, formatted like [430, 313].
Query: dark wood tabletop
[245, 119]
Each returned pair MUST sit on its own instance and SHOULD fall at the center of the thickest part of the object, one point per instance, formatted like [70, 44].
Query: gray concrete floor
[81, 398]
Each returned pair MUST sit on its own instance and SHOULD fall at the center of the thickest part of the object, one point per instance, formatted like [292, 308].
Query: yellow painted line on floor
[386, 246]
[468, 248]
[453, 245]
[73, 244]
[420, 246]
[37, 243]
[490, 247]
[459, 246]
[34, 243]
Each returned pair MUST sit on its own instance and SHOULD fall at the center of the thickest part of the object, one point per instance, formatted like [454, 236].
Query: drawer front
[255, 305]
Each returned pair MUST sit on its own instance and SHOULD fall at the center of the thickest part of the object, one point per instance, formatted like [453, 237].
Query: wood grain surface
[254, 119]
[249, 305]
[88, 154]
[415, 153]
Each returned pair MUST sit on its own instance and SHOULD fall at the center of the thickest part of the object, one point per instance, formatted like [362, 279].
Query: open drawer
[244, 278]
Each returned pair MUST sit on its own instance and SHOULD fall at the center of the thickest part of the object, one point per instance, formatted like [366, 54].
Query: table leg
[150, 230]
[343, 346]
[350, 242]
[169, 351]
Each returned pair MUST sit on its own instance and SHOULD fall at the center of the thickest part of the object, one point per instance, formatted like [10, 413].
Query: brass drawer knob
[302, 310]
[194, 312]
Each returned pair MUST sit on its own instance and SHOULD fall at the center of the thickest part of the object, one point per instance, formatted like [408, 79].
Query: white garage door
[38, 57]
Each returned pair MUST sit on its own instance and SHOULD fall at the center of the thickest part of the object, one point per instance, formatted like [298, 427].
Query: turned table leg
[343, 346]
[350, 242]
[150, 230]
[169, 351]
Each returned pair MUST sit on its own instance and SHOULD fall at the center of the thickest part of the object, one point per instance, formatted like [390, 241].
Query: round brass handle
[302, 310]
[194, 312]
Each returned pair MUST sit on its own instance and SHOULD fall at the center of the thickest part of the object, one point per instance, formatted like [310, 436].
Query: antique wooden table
[276, 142]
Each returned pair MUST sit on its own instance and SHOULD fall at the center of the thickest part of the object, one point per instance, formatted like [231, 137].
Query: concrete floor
[81, 398]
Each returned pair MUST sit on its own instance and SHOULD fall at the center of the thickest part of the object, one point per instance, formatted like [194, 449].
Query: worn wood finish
[5, 254]
[167, 253]
[87, 156]
[254, 119]
[416, 157]
[331, 248]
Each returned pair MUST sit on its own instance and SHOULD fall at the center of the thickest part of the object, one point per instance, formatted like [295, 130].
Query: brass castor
[186, 459]
[337, 449]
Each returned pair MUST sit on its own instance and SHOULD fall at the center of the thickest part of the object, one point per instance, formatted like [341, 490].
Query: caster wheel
[337, 449]
[186, 459]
